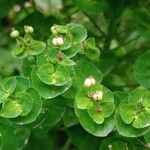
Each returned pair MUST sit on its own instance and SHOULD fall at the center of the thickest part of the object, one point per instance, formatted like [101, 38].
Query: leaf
[48, 91]
[82, 101]
[100, 130]
[22, 84]
[127, 113]
[27, 66]
[138, 95]
[53, 53]
[90, 49]
[73, 50]
[69, 115]
[78, 32]
[92, 7]
[67, 62]
[25, 101]
[142, 120]
[128, 130]
[142, 70]
[10, 109]
[36, 47]
[3, 95]
[36, 109]
[8, 137]
[45, 73]
[95, 115]
[61, 76]
[107, 109]
[89, 69]
[9, 84]
[56, 110]
[19, 51]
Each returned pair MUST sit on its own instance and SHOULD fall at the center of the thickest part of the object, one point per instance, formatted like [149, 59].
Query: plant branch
[128, 42]
[94, 23]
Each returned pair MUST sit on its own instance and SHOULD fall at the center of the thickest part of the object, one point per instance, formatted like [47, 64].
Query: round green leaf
[61, 76]
[9, 84]
[3, 95]
[36, 109]
[36, 47]
[53, 53]
[142, 70]
[128, 130]
[95, 115]
[48, 91]
[78, 32]
[73, 50]
[90, 126]
[139, 95]
[25, 101]
[82, 101]
[10, 109]
[107, 109]
[44, 73]
[56, 109]
[127, 113]
[89, 69]
[142, 120]
[19, 51]
[22, 84]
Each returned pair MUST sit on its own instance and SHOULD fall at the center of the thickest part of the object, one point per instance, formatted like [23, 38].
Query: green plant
[79, 83]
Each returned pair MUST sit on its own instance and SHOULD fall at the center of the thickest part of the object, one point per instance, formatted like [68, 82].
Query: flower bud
[53, 29]
[58, 41]
[87, 82]
[28, 29]
[93, 82]
[14, 33]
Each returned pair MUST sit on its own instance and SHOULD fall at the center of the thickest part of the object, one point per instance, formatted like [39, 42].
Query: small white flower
[14, 33]
[28, 29]
[58, 41]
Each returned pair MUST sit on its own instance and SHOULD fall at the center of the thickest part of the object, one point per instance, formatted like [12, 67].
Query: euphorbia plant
[58, 81]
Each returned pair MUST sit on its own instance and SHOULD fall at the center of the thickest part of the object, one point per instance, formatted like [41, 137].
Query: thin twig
[128, 42]
[93, 21]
